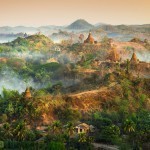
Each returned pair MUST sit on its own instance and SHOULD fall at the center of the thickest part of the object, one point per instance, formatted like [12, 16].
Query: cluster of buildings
[114, 56]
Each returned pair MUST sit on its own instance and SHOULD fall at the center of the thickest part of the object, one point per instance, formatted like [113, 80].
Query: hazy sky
[62, 12]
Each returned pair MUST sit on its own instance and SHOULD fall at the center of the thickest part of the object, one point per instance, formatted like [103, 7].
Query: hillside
[33, 42]
[125, 32]
[126, 28]
[63, 35]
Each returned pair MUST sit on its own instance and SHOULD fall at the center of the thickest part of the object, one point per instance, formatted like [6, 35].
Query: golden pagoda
[90, 39]
[27, 93]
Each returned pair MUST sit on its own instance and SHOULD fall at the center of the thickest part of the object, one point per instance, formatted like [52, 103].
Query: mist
[143, 56]
[10, 80]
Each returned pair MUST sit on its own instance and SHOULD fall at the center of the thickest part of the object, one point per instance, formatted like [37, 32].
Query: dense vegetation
[123, 121]
[111, 98]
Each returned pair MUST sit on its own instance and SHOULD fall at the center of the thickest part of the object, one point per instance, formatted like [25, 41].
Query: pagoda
[114, 55]
[27, 93]
[90, 39]
[134, 59]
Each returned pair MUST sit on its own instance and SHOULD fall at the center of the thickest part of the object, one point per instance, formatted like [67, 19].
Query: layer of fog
[5, 40]
[10, 80]
[143, 56]
[43, 57]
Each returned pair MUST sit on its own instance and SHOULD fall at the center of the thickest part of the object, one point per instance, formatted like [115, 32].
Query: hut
[84, 128]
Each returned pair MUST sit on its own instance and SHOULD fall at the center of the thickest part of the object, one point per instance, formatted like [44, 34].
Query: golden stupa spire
[27, 93]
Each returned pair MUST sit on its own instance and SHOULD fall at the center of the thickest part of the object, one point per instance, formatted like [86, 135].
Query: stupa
[134, 59]
[27, 93]
[90, 39]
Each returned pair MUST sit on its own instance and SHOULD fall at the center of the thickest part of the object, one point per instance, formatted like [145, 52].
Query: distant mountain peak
[80, 24]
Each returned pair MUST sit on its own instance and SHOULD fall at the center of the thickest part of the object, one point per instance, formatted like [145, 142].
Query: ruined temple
[134, 59]
[113, 55]
[27, 93]
[90, 39]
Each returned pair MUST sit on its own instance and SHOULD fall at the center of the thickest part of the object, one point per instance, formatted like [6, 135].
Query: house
[84, 128]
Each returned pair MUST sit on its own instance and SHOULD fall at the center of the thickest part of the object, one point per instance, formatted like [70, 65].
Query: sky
[64, 12]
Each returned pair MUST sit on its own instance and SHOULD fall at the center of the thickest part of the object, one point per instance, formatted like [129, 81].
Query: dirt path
[105, 147]
[89, 92]
[93, 91]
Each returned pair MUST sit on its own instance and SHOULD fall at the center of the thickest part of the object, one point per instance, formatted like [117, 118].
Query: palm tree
[69, 132]
[70, 129]
[56, 127]
[129, 126]
[82, 138]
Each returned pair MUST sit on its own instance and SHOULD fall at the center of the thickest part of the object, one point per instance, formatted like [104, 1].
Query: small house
[84, 128]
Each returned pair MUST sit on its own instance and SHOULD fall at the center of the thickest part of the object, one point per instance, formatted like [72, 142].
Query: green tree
[56, 127]
[111, 134]
[70, 128]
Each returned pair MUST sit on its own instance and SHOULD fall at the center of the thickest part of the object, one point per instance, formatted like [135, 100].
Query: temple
[113, 55]
[134, 59]
[27, 93]
[90, 39]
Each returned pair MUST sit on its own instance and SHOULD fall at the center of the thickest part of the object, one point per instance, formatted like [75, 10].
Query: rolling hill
[33, 42]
